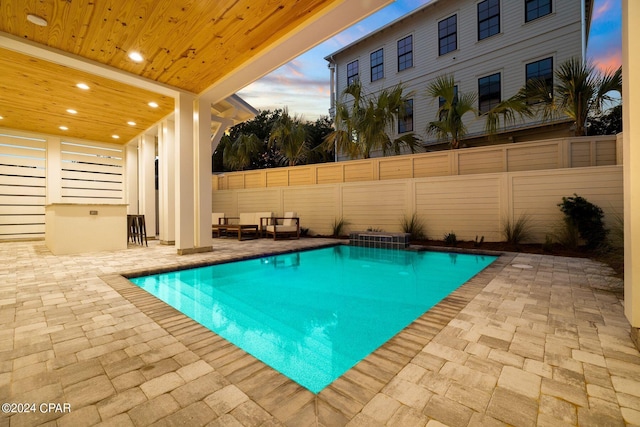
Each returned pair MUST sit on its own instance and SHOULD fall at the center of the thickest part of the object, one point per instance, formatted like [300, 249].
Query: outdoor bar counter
[72, 228]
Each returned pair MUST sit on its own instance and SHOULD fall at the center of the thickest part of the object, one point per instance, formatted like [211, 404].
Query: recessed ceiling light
[63, 128]
[153, 104]
[115, 136]
[83, 86]
[71, 111]
[136, 57]
[1, 117]
[35, 19]
[131, 123]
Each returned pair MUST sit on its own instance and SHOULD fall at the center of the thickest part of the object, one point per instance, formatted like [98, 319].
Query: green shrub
[414, 226]
[586, 217]
[518, 231]
[451, 239]
[547, 246]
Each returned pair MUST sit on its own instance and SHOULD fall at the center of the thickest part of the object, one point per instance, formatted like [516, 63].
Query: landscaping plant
[518, 231]
[587, 219]
[414, 226]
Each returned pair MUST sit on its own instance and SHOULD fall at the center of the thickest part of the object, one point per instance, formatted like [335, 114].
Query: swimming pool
[312, 315]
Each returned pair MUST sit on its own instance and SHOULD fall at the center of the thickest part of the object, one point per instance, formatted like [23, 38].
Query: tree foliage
[608, 123]
[270, 152]
[364, 123]
[289, 137]
[580, 90]
[449, 124]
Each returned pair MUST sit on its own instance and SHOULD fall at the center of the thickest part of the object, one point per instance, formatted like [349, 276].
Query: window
[488, 18]
[488, 92]
[448, 35]
[377, 65]
[406, 123]
[535, 9]
[542, 69]
[405, 53]
[352, 72]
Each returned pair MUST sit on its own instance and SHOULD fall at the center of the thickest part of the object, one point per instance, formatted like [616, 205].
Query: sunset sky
[302, 85]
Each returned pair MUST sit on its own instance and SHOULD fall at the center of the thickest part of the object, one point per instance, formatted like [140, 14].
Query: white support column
[167, 181]
[631, 163]
[202, 169]
[147, 179]
[184, 174]
[131, 177]
[54, 172]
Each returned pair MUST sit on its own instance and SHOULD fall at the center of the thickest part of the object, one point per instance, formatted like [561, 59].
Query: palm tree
[364, 125]
[580, 90]
[237, 154]
[453, 107]
[289, 136]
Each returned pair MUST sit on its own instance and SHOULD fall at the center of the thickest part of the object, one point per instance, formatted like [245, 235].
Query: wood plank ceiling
[186, 44]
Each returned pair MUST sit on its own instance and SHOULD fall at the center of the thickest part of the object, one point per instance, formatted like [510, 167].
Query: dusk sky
[302, 85]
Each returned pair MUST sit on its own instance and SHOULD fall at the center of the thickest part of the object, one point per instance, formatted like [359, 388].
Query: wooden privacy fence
[468, 205]
[539, 155]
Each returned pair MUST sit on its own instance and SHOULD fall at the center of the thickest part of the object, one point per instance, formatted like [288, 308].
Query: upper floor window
[377, 65]
[535, 9]
[489, 93]
[406, 123]
[405, 53]
[542, 69]
[448, 35]
[352, 72]
[488, 18]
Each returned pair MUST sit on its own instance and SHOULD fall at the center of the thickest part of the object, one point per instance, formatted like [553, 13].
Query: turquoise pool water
[313, 315]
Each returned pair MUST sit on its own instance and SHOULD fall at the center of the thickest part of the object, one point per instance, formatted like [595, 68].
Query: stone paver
[547, 345]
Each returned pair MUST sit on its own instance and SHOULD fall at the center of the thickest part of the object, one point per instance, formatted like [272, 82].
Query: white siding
[508, 52]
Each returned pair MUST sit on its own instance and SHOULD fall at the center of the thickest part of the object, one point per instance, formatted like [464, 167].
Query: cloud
[607, 63]
[601, 10]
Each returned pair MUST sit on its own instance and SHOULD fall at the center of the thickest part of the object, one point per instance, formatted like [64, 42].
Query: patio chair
[218, 224]
[250, 223]
[287, 226]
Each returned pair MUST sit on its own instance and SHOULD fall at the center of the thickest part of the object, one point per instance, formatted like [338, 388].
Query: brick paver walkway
[532, 340]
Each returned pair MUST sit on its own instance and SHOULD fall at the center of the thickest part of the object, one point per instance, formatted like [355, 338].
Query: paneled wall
[36, 170]
[469, 205]
[22, 186]
[538, 155]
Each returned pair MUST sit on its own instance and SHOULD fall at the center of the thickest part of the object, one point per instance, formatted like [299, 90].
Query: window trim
[440, 38]
[379, 67]
[405, 54]
[488, 20]
[526, 20]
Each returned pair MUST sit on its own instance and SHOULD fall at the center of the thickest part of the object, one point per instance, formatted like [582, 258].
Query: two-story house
[490, 47]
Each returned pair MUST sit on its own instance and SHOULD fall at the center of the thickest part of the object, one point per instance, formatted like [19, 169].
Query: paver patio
[531, 340]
